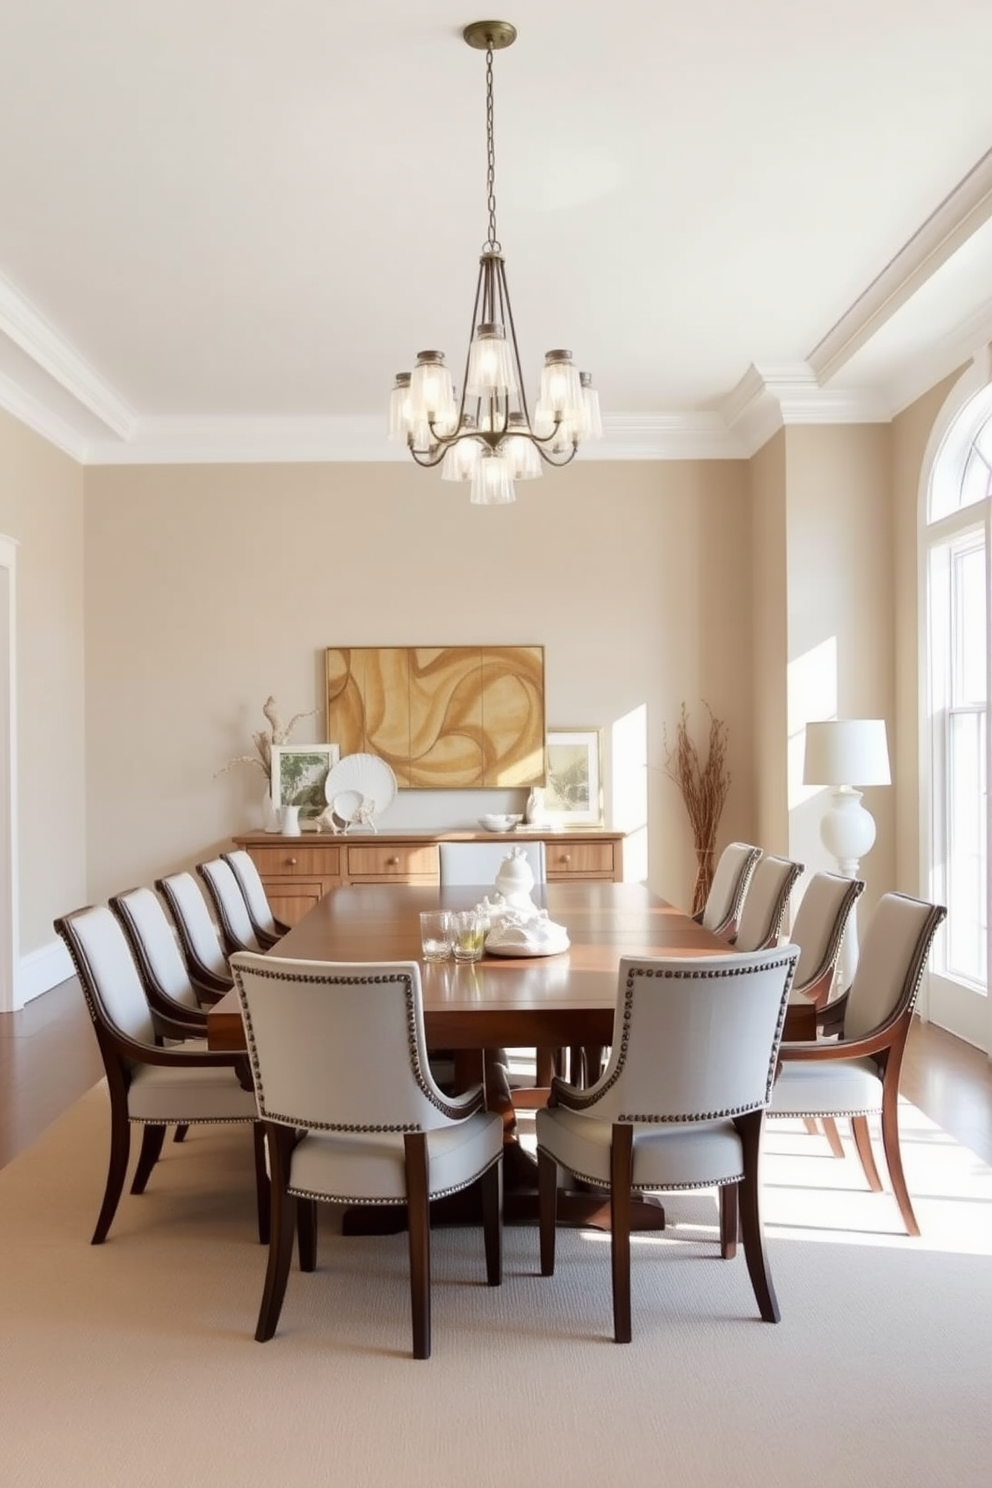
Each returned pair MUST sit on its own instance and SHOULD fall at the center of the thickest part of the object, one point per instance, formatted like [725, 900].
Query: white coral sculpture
[263, 740]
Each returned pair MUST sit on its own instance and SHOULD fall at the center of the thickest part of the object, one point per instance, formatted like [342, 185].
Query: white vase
[291, 821]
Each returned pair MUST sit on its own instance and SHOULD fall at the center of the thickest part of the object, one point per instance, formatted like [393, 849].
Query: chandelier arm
[507, 311]
[549, 459]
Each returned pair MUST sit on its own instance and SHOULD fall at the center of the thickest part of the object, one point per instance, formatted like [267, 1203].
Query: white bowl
[499, 823]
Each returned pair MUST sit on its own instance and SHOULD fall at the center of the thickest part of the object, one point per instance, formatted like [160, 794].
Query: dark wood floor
[48, 1059]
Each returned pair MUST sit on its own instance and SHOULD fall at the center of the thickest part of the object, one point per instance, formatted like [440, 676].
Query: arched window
[959, 506]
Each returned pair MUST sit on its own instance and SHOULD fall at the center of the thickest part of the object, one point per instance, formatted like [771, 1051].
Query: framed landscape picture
[573, 795]
[298, 775]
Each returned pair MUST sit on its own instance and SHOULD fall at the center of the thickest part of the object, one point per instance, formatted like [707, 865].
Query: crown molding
[28, 330]
[234, 441]
[770, 398]
[39, 417]
[967, 342]
[959, 215]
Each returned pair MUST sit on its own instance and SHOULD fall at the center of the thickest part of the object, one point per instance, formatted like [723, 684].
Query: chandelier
[487, 436]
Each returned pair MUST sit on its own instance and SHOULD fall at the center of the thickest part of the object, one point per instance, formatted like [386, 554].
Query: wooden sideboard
[297, 871]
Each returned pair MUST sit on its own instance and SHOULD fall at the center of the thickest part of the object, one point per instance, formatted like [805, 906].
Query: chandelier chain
[493, 242]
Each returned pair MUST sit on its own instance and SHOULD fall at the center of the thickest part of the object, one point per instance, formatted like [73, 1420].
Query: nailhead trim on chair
[352, 981]
[441, 1193]
[580, 1103]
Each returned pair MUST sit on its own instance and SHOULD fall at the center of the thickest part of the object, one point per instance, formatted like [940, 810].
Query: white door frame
[10, 999]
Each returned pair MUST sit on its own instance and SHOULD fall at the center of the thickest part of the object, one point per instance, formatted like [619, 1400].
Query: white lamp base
[848, 832]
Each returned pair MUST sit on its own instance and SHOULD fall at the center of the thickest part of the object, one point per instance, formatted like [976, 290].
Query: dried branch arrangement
[703, 785]
[263, 740]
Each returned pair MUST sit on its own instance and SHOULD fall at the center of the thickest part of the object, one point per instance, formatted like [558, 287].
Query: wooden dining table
[476, 1010]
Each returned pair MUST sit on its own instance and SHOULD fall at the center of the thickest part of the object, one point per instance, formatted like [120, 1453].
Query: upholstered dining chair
[268, 930]
[478, 862]
[150, 1084]
[818, 930]
[352, 1113]
[765, 903]
[202, 948]
[858, 1074]
[679, 1105]
[155, 948]
[236, 930]
[727, 892]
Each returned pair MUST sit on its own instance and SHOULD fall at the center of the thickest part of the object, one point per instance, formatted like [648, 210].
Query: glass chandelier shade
[487, 436]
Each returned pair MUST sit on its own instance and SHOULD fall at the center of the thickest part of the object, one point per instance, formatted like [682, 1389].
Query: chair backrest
[337, 1046]
[765, 903]
[229, 904]
[818, 930]
[725, 900]
[201, 942]
[153, 943]
[695, 1038]
[478, 862]
[107, 973]
[894, 950]
[252, 889]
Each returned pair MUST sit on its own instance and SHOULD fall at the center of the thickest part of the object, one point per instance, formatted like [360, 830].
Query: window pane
[975, 481]
[966, 846]
[968, 586]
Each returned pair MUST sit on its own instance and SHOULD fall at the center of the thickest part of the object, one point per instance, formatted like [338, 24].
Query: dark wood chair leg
[120, 1152]
[491, 1185]
[281, 1142]
[862, 1143]
[729, 1221]
[621, 1174]
[544, 1064]
[306, 1233]
[419, 1234]
[547, 1209]
[833, 1136]
[152, 1139]
[893, 1156]
[179, 1135]
[263, 1188]
[749, 1128]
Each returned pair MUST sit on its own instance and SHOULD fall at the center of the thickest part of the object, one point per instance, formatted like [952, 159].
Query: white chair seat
[186, 1095]
[354, 1169]
[835, 1087]
[665, 1157]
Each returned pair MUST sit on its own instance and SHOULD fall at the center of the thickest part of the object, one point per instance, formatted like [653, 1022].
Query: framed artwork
[573, 795]
[298, 774]
[442, 717]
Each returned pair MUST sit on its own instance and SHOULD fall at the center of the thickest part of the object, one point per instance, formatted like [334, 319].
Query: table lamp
[845, 753]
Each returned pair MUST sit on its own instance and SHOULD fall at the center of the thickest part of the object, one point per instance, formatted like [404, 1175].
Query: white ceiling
[225, 226]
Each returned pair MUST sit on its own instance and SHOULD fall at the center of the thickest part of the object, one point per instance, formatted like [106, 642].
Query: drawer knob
[290, 862]
[566, 858]
[392, 862]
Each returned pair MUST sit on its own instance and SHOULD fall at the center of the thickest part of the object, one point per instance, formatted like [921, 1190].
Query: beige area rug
[133, 1365]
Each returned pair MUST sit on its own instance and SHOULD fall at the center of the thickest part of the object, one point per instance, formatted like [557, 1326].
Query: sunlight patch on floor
[808, 1194]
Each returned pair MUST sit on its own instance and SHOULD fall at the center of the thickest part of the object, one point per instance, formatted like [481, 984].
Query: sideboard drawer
[304, 861]
[579, 859]
[393, 860]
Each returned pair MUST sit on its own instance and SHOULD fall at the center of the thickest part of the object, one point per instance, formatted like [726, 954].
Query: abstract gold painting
[443, 717]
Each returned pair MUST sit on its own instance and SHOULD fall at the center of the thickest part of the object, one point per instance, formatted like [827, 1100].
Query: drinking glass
[435, 934]
[469, 934]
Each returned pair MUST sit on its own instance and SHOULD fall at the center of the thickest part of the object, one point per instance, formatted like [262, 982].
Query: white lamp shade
[847, 751]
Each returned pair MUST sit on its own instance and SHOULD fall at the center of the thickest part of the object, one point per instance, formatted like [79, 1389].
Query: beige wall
[41, 507]
[210, 587]
[841, 633]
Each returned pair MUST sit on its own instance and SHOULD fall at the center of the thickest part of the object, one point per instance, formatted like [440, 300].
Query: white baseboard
[41, 970]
